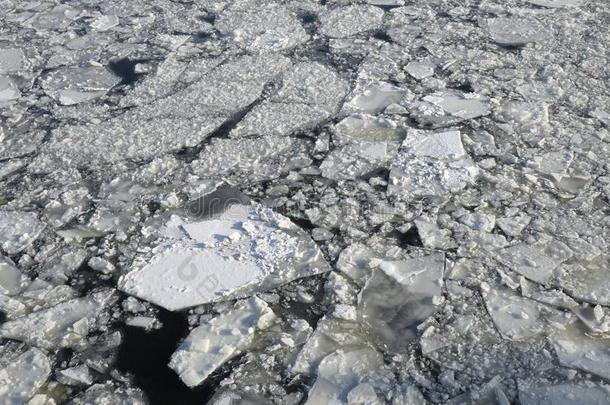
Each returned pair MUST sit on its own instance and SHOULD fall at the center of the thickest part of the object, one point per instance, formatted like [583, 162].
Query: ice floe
[18, 230]
[24, 376]
[210, 345]
[243, 250]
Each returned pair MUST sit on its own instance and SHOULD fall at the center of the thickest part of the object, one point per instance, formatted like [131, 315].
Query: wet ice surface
[304, 202]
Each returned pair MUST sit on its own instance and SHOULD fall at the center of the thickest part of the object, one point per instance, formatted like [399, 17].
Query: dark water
[146, 355]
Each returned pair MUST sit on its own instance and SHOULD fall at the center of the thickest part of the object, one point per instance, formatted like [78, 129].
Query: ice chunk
[420, 70]
[11, 279]
[400, 295]
[272, 27]
[182, 119]
[243, 250]
[577, 393]
[516, 317]
[346, 374]
[576, 349]
[310, 93]
[63, 325]
[8, 90]
[374, 98]
[431, 165]
[20, 380]
[73, 85]
[18, 230]
[556, 3]
[529, 261]
[516, 31]
[12, 60]
[255, 158]
[225, 336]
[105, 22]
[78, 375]
[109, 393]
[587, 280]
[488, 394]
[342, 22]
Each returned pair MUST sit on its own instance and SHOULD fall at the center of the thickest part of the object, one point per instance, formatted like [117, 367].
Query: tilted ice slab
[431, 164]
[245, 249]
[20, 379]
[400, 295]
[18, 230]
[225, 336]
[529, 261]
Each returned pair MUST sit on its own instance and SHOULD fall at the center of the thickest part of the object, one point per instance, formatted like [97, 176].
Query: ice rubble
[63, 325]
[210, 345]
[244, 249]
[540, 393]
[20, 379]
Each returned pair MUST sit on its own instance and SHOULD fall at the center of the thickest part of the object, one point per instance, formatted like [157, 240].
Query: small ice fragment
[78, 375]
[210, 345]
[420, 70]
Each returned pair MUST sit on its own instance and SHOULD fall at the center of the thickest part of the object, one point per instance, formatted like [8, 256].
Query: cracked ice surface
[304, 202]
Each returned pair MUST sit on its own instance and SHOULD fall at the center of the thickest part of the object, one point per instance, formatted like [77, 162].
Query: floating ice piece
[12, 61]
[516, 31]
[374, 98]
[225, 336]
[79, 375]
[73, 85]
[310, 93]
[587, 281]
[516, 318]
[363, 127]
[513, 226]
[346, 374]
[182, 119]
[386, 2]
[8, 90]
[420, 70]
[490, 393]
[576, 349]
[431, 165]
[109, 393]
[255, 158]
[63, 325]
[18, 230]
[529, 261]
[105, 22]
[243, 250]
[449, 107]
[271, 28]
[20, 380]
[400, 295]
[343, 22]
[443, 145]
[556, 3]
[576, 393]
[11, 279]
